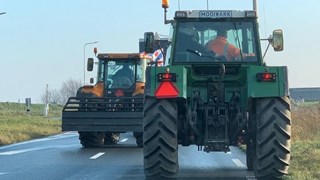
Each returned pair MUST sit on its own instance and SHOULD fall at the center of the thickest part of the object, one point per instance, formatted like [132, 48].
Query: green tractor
[216, 96]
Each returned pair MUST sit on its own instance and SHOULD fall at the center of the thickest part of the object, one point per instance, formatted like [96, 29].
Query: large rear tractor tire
[273, 137]
[251, 137]
[160, 143]
[91, 139]
[250, 152]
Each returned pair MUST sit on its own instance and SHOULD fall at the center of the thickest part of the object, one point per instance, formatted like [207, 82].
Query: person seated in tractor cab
[222, 47]
[124, 77]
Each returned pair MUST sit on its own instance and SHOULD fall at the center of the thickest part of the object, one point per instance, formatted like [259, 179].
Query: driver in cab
[222, 47]
[125, 72]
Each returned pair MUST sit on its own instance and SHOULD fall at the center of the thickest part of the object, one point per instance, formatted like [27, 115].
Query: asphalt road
[62, 157]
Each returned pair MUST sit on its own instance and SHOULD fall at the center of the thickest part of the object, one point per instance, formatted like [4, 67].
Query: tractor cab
[121, 74]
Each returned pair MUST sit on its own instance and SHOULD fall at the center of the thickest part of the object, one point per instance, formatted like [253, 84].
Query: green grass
[17, 125]
[305, 146]
[305, 160]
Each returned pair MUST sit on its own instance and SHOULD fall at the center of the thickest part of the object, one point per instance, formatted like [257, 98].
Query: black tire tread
[91, 139]
[160, 138]
[111, 138]
[273, 138]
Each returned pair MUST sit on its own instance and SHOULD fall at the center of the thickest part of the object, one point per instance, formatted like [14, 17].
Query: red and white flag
[158, 57]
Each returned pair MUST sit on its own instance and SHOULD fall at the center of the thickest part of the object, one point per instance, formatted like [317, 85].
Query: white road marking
[251, 178]
[8, 153]
[70, 132]
[239, 163]
[229, 152]
[97, 155]
[3, 173]
[59, 136]
[124, 140]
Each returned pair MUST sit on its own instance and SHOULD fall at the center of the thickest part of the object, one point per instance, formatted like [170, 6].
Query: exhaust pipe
[255, 6]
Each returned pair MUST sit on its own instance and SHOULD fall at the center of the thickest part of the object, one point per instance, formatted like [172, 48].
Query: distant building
[306, 94]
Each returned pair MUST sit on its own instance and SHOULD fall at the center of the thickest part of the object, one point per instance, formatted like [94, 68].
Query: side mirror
[149, 42]
[90, 64]
[91, 80]
[277, 40]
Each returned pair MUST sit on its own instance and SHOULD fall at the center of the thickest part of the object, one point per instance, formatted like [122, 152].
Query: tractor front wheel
[111, 138]
[91, 139]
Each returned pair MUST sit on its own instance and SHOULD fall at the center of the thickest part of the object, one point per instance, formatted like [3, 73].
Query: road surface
[62, 157]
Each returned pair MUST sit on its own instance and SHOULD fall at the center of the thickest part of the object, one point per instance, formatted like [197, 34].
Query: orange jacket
[221, 47]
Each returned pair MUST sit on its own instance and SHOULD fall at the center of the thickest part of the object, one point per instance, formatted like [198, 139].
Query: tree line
[68, 89]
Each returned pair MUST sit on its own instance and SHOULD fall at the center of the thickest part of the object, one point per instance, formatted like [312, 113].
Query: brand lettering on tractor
[215, 14]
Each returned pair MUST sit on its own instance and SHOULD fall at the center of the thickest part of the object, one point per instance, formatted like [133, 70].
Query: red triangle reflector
[167, 90]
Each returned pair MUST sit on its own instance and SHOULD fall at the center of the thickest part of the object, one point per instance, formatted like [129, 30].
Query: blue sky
[42, 42]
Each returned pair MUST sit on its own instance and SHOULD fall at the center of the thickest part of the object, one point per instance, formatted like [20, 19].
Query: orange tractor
[113, 105]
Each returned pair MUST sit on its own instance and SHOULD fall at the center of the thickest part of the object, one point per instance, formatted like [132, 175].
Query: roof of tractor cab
[215, 14]
[123, 56]
[118, 55]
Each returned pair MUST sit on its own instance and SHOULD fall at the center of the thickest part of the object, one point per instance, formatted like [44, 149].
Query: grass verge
[17, 125]
[305, 146]
[305, 160]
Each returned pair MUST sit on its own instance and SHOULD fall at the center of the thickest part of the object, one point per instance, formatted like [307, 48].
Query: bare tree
[52, 96]
[55, 97]
[69, 89]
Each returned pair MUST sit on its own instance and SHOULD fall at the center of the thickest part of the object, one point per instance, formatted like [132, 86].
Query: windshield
[119, 73]
[215, 41]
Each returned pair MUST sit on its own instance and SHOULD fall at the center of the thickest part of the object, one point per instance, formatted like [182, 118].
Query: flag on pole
[158, 57]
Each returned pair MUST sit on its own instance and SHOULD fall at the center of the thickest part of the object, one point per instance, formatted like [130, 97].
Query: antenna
[207, 4]
[179, 4]
[265, 25]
